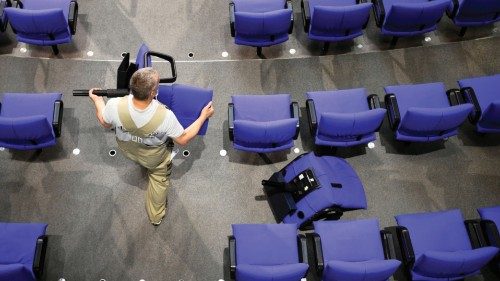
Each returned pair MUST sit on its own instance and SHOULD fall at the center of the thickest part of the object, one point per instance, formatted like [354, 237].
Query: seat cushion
[16, 272]
[283, 272]
[48, 4]
[262, 29]
[18, 242]
[476, 12]
[460, 263]
[23, 105]
[339, 101]
[266, 244]
[374, 270]
[485, 88]
[258, 6]
[252, 132]
[186, 102]
[262, 107]
[350, 124]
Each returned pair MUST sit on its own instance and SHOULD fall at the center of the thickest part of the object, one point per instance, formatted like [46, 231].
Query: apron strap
[129, 124]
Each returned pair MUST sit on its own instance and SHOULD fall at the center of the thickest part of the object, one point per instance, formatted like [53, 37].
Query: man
[144, 130]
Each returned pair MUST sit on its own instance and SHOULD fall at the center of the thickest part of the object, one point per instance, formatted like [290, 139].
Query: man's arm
[99, 108]
[191, 131]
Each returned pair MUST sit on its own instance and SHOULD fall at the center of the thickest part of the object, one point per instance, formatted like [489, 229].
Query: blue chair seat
[469, 13]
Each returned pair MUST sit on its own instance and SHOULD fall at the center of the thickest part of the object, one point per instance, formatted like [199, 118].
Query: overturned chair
[262, 252]
[408, 18]
[314, 188]
[260, 23]
[436, 246]
[344, 117]
[482, 93]
[30, 121]
[263, 123]
[334, 20]
[353, 250]
[424, 112]
[43, 22]
[22, 251]
[471, 13]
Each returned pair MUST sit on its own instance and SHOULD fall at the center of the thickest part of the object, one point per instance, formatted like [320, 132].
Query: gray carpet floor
[94, 203]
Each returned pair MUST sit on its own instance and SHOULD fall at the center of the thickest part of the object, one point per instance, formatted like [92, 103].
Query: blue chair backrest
[262, 24]
[350, 124]
[139, 60]
[340, 20]
[33, 23]
[415, 16]
[254, 132]
[25, 129]
[486, 10]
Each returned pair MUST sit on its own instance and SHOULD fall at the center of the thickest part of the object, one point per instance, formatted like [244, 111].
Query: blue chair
[344, 117]
[314, 187]
[30, 121]
[482, 93]
[44, 22]
[488, 232]
[3, 18]
[22, 251]
[400, 18]
[436, 246]
[264, 252]
[334, 20]
[353, 250]
[263, 123]
[469, 13]
[260, 23]
[186, 102]
[423, 113]
[143, 59]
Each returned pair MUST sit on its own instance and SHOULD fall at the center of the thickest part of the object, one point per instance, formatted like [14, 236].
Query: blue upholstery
[39, 20]
[327, 170]
[261, 23]
[263, 123]
[17, 250]
[139, 60]
[465, 13]
[426, 114]
[186, 102]
[490, 213]
[266, 252]
[344, 118]
[410, 17]
[442, 247]
[488, 97]
[352, 250]
[26, 120]
[334, 20]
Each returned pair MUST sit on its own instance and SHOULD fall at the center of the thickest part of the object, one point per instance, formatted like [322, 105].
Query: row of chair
[416, 113]
[266, 23]
[423, 246]
[40, 22]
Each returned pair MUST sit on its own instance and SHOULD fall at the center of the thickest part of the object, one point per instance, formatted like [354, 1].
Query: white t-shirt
[169, 128]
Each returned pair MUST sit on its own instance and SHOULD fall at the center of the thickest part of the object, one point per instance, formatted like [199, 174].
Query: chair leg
[326, 46]
[394, 41]
[462, 31]
[55, 50]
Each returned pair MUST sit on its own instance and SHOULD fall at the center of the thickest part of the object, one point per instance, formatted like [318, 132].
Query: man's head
[144, 83]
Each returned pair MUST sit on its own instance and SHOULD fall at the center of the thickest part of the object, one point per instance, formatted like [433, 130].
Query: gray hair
[143, 82]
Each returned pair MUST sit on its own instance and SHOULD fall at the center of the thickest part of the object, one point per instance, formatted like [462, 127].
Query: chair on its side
[334, 20]
[344, 117]
[399, 18]
[260, 23]
[22, 251]
[263, 252]
[263, 123]
[424, 112]
[482, 92]
[470, 13]
[44, 22]
[30, 121]
[436, 246]
[353, 250]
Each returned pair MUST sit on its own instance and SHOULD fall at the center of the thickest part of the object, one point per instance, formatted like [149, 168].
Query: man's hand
[93, 97]
[207, 111]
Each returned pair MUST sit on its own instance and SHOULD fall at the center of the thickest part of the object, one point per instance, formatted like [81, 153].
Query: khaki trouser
[157, 161]
[155, 158]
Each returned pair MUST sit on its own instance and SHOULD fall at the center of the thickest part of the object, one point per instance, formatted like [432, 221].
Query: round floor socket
[221, 279]
[296, 150]
[76, 151]
[191, 55]
[23, 50]
[61, 279]
[360, 46]
[142, 280]
[223, 152]
[225, 54]
[102, 279]
[90, 53]
[427, 39]
[371, 145]
[293, 51]
[112, 152]
[185, 153]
